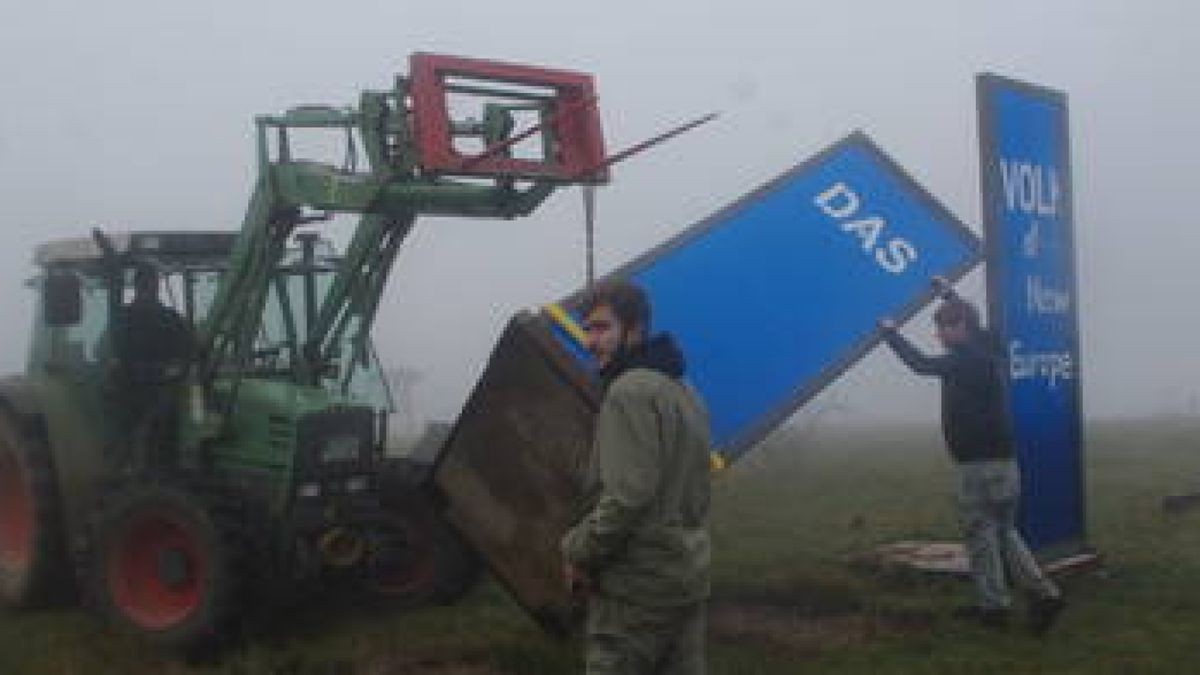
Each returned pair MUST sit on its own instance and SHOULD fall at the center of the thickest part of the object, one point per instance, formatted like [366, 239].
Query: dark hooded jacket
[973, 410]
[151, 339]
[645, 538]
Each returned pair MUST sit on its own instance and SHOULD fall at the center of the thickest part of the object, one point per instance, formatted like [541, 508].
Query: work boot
[988, 617]
[1043, 611]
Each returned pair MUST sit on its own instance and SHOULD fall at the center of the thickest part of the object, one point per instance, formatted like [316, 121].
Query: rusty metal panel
[512, 470]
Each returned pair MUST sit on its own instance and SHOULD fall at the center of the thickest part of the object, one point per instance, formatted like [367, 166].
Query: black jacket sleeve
[920, 363]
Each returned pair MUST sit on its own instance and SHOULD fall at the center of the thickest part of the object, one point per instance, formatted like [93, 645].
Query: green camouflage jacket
[645, 538]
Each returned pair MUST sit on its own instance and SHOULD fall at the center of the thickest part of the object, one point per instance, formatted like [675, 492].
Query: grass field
[789, 523]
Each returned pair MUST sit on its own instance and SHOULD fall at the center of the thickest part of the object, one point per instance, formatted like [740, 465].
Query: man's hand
[577, 580]
[887, 325]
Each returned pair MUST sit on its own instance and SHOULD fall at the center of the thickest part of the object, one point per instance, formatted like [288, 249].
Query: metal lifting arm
[352, 300]
[233, 320]
[389, 195]
[413, 150]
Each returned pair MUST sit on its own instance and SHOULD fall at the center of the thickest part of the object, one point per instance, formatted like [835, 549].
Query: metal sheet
[777, 294]
[512, 470]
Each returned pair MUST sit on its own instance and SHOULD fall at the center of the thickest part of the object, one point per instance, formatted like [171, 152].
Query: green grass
[790, 522]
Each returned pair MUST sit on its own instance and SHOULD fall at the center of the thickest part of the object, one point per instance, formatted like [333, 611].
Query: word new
[1030, 188]
[1043, 299]
[842, 203]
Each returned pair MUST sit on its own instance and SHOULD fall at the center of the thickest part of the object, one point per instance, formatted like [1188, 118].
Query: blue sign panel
[1028, 226]
[777, 294]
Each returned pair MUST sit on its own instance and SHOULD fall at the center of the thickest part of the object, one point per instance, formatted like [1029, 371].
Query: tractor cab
[85, 282]
[83, 286]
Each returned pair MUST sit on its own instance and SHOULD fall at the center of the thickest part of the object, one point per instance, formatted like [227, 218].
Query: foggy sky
[138, 115]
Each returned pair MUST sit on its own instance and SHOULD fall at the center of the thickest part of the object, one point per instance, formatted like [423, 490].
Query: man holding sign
[641, 551]
[976, 430]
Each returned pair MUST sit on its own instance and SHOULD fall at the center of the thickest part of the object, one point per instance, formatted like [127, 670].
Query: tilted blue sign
[777, 294]
[1028, 227]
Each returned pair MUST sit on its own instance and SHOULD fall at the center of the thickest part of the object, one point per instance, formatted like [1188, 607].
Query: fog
[138, 115]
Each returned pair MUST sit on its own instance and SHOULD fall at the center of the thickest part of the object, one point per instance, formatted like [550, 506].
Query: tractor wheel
[32, 552]
[162, 563]
[416, 558]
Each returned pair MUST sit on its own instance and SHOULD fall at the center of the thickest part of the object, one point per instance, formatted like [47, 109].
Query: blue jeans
[988, 492]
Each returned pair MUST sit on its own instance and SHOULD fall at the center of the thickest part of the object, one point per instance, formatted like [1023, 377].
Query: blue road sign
[1029, 230]
[774, 296]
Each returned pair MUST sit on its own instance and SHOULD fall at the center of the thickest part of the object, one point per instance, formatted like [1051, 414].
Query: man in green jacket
[641, 552]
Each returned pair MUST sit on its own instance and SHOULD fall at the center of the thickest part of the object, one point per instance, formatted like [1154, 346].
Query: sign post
[1028, 224]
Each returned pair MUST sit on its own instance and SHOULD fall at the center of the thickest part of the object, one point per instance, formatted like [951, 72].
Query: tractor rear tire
[163, 562]
[417, 559]
[33, 560]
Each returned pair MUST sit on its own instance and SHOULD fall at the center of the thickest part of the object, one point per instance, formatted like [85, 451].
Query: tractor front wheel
[162, 566]
[415, 558]
[32, 558]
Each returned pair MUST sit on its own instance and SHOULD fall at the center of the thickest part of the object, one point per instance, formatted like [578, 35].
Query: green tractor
[203, 420]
